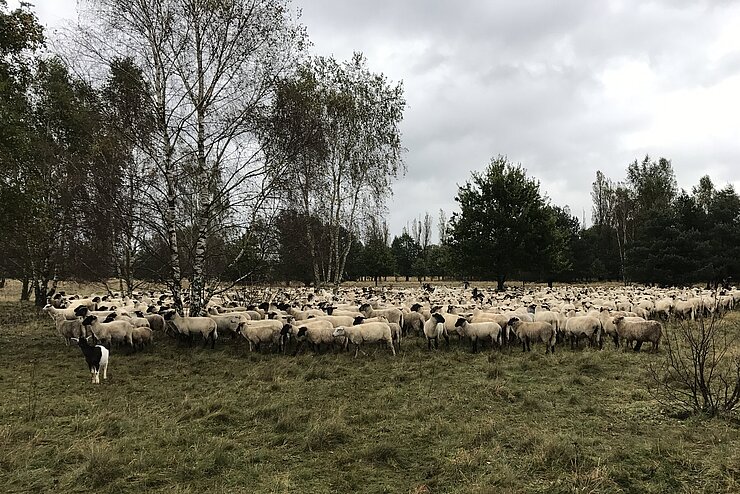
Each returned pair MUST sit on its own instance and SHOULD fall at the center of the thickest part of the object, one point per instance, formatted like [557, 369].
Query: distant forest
[179, 154]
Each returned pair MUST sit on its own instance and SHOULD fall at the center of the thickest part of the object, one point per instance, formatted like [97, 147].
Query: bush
[701, 371]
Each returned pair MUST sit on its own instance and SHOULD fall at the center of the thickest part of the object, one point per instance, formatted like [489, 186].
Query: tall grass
[175, 419]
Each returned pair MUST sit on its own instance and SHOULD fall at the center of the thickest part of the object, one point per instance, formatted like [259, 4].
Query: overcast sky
[563, 87]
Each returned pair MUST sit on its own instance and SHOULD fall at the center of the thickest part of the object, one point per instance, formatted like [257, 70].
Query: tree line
[168, 137]
[197, 145]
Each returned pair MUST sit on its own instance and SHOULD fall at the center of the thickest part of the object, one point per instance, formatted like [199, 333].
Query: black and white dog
[96, 357]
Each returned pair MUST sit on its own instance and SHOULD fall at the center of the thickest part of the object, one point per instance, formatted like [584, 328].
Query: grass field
[172, 419]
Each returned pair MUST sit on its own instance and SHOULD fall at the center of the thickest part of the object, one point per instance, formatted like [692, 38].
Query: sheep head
[89, 320]
[439, 318]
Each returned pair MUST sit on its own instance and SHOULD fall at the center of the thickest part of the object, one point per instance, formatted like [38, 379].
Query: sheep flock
[288, 321]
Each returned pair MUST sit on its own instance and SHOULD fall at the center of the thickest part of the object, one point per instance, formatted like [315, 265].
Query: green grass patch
[176, 419]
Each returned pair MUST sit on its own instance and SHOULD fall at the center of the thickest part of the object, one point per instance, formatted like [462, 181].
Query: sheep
[583, 326]
[434, 328]
[156, 322]
[259, 332]
[300, 315]
[479, 331]
[335, 320]
[316, 336]
[68, 329]
[500, 319]
[116, 331]
[333, 311]
[119, 315]
[188, 327]
[554, 318]
[368, 332]
[289, 330]
[684, 309]
[141, 336]
[54, 313]
[639, 331]
[391, 313]
[663, 308]
[97, 358]
[413, 322]
[534, 331]
[227, 324]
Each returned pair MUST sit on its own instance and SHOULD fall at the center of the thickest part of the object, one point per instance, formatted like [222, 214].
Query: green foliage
[334, 129]
[406, 252]
[504, 224]
[377, 254]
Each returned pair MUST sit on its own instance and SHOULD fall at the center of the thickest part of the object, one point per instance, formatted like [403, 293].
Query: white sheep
[141, 336]
[335, 320]
[413, 322]
[116, 331]
[434, 328]
[262, 332]
[479, 331]
[583, 327]
[54, 313]
[391, 313]
[533, 331]
[554, 318]
[227, 324]
[639, 331]
[189, 327]
[366, 333]
[317, 336]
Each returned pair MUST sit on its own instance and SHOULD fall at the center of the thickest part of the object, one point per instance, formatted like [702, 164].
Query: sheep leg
[429, 343]
[447, 340]
[393, 350]
[475, 345]
[105, 370]
[638, 345]
[357, 349]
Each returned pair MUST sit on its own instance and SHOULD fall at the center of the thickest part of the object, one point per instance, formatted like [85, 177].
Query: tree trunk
[500, 280]
[197, 284]
[25, 289]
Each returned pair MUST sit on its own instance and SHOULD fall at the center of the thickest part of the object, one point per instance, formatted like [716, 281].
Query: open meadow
[177, 419]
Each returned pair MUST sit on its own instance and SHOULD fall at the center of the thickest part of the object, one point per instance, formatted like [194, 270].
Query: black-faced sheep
[391, 313]
[479, 331]
[189, 327]
[259, 333]
[366, 333]
[317, 336]
[112, 332]
[434, 328]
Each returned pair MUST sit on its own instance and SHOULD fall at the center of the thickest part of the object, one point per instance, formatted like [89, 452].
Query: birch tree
[211, 67]
[337, 125]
